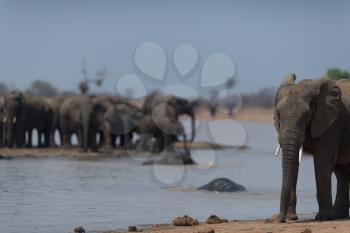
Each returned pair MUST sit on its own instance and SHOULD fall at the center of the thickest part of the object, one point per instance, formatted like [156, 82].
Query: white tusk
[14, 120]
[278, 149]
[300, 153]
[4, 120]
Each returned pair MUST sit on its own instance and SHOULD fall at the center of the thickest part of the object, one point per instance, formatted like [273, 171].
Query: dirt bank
[259, 226]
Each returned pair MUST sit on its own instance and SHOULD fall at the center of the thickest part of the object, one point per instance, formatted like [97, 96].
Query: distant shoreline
[264, 115]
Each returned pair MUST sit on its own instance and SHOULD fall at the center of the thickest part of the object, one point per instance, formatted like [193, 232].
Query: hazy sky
[267, 39]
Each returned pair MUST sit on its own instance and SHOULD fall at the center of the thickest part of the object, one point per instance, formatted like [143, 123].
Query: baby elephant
[222, 185]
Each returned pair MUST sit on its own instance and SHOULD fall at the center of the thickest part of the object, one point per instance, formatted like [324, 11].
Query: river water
[42, 195]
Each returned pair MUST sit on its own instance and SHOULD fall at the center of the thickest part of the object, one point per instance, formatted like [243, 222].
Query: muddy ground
[256, 226]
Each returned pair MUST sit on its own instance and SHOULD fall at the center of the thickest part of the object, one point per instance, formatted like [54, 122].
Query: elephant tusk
[300, 153]
[278, 149]
[14, 120]
[4, 120]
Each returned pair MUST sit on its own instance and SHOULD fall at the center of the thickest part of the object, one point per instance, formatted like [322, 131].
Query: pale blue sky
[267, 39]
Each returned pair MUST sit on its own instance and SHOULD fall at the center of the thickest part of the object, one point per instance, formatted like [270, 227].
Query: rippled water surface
[55, 195]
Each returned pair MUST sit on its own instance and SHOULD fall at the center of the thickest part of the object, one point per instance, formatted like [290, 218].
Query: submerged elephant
[222, 185]
[314, 115]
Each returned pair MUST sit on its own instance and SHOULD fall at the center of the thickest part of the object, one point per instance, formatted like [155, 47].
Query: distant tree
[3, 89]
[42, 88]
[84, 85]
[262, 98]
[336, 73]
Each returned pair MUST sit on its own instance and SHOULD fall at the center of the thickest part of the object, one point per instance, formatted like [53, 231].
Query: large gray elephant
[176, 105]
[39, 116]
[80, 115]
[122, 120]
[314, 115]
[106, 138]
[55, 104]
[14, 119]
[163, 130]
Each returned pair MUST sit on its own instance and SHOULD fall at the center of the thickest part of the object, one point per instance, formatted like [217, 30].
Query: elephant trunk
[291, 141]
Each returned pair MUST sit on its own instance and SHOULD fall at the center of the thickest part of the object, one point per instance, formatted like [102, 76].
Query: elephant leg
[292, 215]
[80, 138]
[29, 143]
[341, 205]
[40, 138]
[168, 142]
[113, 140]
[323, 173]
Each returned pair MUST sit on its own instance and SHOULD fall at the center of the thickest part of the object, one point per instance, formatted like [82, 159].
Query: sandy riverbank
[257, 226]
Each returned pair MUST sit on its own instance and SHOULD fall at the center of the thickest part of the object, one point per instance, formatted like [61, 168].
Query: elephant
[176, 106]
[80, 115]
[222, 185]
[106, 138]
[122, 120]
[14, 119]
[39, 116]
[314, 115]
[55, 104]
[162, 130]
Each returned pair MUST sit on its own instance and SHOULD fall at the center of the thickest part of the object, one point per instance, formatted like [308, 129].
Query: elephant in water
[170, 107]
[222, 185]
[314, 115]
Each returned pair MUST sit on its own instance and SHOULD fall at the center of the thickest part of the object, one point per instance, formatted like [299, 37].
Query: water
[55, 195]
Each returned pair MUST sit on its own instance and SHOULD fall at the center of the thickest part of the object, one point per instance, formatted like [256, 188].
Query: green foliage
[42, 88]
[336, 73]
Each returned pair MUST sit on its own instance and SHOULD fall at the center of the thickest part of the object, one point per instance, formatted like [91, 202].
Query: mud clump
[79, 230]
[185, 221]
[274, 219]
[206, 231]
[133, 229]
[214, 219]
[307, 230]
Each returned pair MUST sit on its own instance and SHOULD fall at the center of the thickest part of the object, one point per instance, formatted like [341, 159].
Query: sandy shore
[258, 226]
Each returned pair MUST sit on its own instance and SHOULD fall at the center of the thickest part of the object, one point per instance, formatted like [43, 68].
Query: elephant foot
[341, 213]
[292, 217]
[281, 219]
[324, 216]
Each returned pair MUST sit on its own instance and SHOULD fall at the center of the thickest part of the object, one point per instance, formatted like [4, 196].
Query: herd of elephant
[97, 121]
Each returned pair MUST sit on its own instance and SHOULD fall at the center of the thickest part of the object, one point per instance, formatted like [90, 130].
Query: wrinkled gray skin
[106, 138]
[315, 114]
[177, 106]
[80, 115]
[122, 120]
[55, 104]
[162, 130]
[14, 115]
[222, 185]
[39, 116]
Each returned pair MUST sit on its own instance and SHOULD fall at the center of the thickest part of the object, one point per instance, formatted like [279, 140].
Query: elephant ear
[287, 81]
[328, 106]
